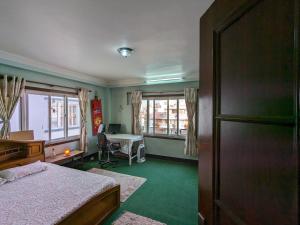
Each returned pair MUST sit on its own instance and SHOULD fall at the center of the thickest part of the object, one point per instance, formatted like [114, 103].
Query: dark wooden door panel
[256, 61]
[224, 219]
[257, 173]
[249, 113]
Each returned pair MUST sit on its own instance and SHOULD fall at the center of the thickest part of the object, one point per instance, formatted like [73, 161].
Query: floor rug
[129, 218]
[129, 184]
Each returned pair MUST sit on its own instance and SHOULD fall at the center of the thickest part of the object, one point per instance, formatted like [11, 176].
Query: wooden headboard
[22, 135]
[17, 153]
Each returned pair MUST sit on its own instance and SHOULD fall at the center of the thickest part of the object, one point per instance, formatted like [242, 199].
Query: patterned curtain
[136, 101]
[191, 97]
[83, 96]
[10, 93]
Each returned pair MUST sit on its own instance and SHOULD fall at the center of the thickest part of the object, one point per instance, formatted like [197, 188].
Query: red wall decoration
[96, 114]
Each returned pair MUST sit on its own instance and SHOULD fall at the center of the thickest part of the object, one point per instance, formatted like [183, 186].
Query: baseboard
[89, 155]
[192, 161]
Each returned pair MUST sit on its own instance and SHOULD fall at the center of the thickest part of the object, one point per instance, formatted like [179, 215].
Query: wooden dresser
[21, 152]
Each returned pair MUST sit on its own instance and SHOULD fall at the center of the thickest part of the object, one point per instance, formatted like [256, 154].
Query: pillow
[22, 171]
[2, 181]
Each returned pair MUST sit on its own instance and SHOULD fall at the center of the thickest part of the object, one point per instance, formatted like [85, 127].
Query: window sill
[165, 137]
[62, 141]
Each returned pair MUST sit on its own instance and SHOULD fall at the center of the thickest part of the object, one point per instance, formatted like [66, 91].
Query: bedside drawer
[34, 149]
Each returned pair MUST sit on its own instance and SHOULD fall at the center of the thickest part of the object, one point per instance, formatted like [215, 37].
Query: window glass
[151, 119]
[173, 117]
[165, 116]
[73, 117]
[15, 121]
[143, 116]
[38, 116]
[57, 117]
[183, 120]
[161, 116]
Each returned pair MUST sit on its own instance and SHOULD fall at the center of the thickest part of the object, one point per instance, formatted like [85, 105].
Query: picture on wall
[96, 115]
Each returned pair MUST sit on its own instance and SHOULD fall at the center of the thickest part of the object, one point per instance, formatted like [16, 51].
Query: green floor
[169, 195]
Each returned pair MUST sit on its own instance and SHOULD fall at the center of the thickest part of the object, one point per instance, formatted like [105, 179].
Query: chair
[105, 146]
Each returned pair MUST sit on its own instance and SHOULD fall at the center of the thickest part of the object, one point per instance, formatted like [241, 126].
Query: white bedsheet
[46, 198]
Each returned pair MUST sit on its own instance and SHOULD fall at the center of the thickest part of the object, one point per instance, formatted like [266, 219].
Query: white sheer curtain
[191, 97]
[136, 101]
[10, 93]
[83, 96]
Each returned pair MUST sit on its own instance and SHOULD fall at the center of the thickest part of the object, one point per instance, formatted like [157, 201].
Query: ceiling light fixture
[164, 80]
[125, 52]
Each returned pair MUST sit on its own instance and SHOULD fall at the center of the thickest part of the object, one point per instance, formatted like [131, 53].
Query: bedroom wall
[101, 92]
[115, 109]
[120, 112]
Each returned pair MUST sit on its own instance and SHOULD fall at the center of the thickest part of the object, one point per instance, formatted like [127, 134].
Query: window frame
[50, 94]
[168, 135]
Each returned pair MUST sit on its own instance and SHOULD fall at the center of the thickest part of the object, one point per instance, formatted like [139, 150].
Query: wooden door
[249, 113]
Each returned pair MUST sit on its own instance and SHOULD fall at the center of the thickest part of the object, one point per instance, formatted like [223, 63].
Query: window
[15, 121]
[164, 116]
[143, 116]
[73, 117]
[52, 116]
[38, 115]
[173, 116]
[161, 116]
[57, 117]
[183, 119]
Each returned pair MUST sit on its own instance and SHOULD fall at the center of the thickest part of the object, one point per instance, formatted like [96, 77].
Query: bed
[59, 196]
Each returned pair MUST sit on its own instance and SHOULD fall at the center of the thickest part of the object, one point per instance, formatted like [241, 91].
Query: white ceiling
[78, 38]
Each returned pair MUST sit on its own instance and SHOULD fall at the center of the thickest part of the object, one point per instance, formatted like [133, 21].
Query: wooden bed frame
[94, 212]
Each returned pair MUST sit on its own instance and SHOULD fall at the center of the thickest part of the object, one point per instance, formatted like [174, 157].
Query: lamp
[67, 152]
[125, 51]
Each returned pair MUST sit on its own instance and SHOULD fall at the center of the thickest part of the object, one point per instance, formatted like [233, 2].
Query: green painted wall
[115, 108]
[101, 92]
[120, 112]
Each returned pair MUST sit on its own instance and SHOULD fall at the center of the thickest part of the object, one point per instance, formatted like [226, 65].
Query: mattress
[48, 197]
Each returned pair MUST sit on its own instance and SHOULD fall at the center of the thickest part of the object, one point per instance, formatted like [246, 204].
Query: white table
[126, 141]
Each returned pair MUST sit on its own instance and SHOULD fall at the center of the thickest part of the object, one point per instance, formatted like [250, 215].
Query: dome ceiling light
[125, 51]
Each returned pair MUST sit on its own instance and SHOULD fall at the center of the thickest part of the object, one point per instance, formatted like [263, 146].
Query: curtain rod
[160, 92]
[50, 85]
[54, 85]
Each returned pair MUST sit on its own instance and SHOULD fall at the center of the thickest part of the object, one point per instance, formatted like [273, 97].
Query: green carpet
[169, 195]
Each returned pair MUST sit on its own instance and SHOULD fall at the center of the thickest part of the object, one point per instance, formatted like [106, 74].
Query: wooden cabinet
[18, 153]
[35, 149]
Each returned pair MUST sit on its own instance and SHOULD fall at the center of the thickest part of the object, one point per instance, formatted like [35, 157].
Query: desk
[126, 141]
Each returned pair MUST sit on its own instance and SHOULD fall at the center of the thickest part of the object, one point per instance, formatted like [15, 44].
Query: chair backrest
[102, 141]
[101, 128]
[21, 135]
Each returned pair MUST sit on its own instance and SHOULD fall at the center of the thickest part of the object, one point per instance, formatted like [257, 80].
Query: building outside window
[73, 117]
[57, 117]
[164, 116]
